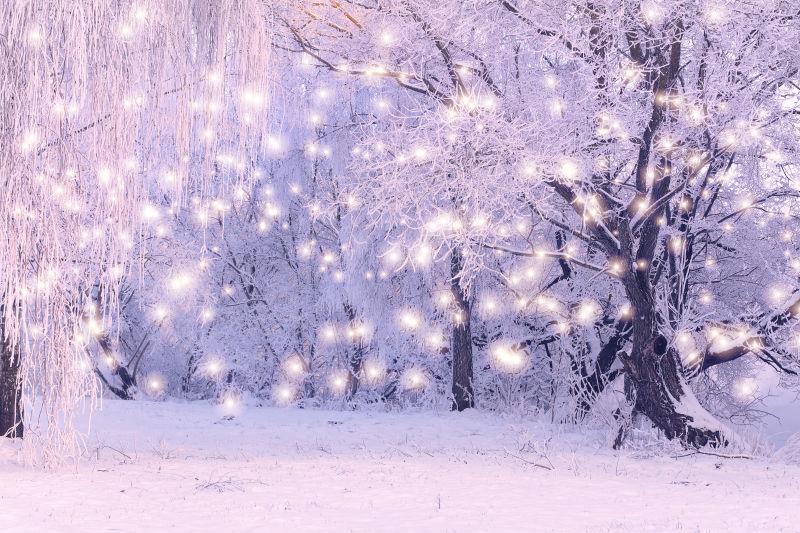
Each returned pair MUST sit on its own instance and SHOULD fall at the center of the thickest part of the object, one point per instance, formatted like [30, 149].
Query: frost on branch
[104, 105]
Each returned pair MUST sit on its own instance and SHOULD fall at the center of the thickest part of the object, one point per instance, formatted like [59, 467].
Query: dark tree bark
[627, 421]
[355, 357]
[10, 385]
[124, 392]
[127, 388]
[461, 341]
[654, 369]
[591, 385]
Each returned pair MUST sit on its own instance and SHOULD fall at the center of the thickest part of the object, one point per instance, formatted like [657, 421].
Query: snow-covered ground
[183, 467]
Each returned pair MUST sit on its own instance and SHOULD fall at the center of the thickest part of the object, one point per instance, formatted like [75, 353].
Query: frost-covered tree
[104, 104]
[647, 135]
[273, 289]
[518, 204]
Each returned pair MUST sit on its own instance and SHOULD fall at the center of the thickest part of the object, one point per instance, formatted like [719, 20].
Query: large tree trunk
[654, 368]
[10, 386]
[461, 341]
[666, 399]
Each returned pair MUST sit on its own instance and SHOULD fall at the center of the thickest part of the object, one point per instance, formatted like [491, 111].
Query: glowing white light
[252, 98]
[284, 394]
[386, 38]
[652, 12]
[155, 384]
[777, 294]
[414, 378]
[444, 298]
[410, 320]
[294, 365]
[435, 340]
[423, 254]
[746, 388]
[394, 256]
[213, 368]
[374, 370]
[568, 170]
[684, 338]
[29, 141]
[161, 312]
[214, 77]
[489, 306]
[715, 15]
[94, 327]
[272, 210]
[273, 143]
[230, 402]
[507, 358]
[150, 212]
[587, 312]
[35, 37]
[180, 282]
[207, 314]
[140, 13]
[338, 382]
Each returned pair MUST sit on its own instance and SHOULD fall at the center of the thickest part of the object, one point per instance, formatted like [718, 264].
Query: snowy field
[184, 467]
